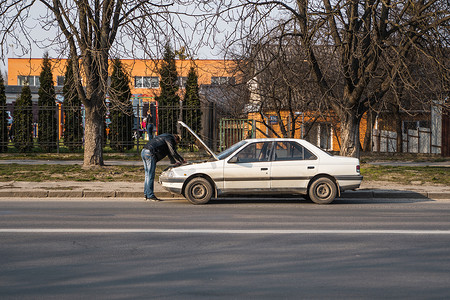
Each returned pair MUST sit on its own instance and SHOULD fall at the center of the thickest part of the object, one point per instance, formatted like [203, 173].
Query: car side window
[285, 151]
[255, 152]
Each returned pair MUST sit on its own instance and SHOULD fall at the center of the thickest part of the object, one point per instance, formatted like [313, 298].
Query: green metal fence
[232, 131]
[199, 118]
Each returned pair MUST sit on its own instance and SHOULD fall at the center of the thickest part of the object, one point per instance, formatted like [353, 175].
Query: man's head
[177, 138]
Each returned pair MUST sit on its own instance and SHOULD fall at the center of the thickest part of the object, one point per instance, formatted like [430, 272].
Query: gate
[232, 131]
[446, 133]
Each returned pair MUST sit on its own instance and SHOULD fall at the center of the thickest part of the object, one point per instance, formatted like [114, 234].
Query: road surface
[229, 249]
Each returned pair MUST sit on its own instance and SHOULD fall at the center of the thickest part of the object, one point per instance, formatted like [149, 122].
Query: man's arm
[173, 154]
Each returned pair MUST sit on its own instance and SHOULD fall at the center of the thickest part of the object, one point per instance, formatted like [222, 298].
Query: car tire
[322, 191]
[198, 191]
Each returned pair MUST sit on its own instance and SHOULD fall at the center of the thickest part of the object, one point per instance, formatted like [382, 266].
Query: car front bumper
[174, 185]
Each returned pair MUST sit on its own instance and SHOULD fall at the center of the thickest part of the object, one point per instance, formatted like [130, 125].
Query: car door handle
[310, 167]
[264, 169]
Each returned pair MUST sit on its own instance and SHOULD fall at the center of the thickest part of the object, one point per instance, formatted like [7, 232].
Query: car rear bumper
[349, 182]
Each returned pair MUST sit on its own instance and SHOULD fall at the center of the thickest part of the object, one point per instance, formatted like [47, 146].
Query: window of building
[319, 134]
[60, 80]
[146, 82]
[415, 125]
[325, 136]
[30, 80]
[182, 80]
[222, 80]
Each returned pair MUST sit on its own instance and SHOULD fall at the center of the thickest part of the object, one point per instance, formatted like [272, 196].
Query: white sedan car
[278, 166]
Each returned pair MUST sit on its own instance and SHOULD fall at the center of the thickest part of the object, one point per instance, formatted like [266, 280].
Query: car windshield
[224, 154]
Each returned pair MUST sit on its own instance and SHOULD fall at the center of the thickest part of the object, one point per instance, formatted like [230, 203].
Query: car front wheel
[322, 191]
[199, 191]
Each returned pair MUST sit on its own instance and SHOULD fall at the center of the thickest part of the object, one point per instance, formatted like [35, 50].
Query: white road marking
[226, 231]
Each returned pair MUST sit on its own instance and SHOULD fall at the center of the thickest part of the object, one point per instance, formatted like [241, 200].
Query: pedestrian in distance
[156, 149]
[149, 126]
[144, 124]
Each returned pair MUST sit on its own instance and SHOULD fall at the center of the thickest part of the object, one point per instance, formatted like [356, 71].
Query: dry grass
[39, 173]
[407, 175]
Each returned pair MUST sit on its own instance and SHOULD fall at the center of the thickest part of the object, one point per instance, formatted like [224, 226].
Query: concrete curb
[80, 194]
[364, 194]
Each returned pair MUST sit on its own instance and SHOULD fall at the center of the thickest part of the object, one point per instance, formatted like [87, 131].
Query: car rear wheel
[198, 191]
[322, 191]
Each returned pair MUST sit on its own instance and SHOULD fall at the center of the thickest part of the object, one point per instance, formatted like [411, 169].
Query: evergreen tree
[48, 125]
[168, 99]
[23, 121]
[192, 115]
[73, 119]
[121, 111]
[3, 117]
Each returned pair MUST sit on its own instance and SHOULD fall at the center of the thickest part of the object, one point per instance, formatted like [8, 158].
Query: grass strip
[407, 175]
[39, 173]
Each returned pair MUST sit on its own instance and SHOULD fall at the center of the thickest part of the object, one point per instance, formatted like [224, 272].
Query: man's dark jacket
[164, 145]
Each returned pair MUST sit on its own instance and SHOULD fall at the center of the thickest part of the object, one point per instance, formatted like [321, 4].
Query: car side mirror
[233, 160]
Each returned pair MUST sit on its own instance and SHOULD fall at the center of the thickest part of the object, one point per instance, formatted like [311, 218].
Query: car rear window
[286, 151]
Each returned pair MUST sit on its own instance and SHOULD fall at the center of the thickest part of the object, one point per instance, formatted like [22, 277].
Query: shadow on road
[386, 196]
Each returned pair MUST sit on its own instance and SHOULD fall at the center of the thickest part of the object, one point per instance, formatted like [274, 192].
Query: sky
[37, 50]
[212, 47]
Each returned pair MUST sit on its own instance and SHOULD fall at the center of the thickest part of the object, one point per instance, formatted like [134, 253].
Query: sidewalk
[134, 190]
[77, 189]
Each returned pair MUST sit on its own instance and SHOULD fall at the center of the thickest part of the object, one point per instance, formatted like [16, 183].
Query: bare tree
[281, 84]
[356, 50]
[93, 31]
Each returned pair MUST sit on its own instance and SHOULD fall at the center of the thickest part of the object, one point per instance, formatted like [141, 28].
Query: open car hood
[199, 139]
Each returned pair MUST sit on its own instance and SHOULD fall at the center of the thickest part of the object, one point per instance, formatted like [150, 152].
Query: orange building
[144, 74]
[144, 78]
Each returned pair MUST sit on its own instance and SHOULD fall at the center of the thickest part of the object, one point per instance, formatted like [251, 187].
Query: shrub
[73, 119]
[23, 121]
[121, 111]
[168, 99]
[48, 125]
[3, 118]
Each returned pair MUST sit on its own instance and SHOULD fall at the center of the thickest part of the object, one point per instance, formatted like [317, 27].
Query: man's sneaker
[154, 199]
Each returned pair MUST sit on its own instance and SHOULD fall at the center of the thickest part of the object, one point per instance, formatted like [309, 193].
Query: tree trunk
[350, 145]
[93, 137]
[369, 132]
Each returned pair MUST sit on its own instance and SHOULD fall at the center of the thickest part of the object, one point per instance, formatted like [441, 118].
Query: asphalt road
[229, 249]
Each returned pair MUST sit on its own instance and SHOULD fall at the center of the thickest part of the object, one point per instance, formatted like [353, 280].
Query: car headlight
[170, 173]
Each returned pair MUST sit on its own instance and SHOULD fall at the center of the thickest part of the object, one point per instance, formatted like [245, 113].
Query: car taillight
[357, 169]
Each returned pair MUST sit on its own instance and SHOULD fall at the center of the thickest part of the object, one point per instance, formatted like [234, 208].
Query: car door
[292, 167]
[249, 169]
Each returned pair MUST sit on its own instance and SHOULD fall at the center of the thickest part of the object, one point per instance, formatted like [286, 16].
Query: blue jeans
[149, 167]
[150, 131]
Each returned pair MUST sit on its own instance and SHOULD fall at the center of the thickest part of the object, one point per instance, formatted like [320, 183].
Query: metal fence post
[58, 122]
[254, 128]
[137, 129]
